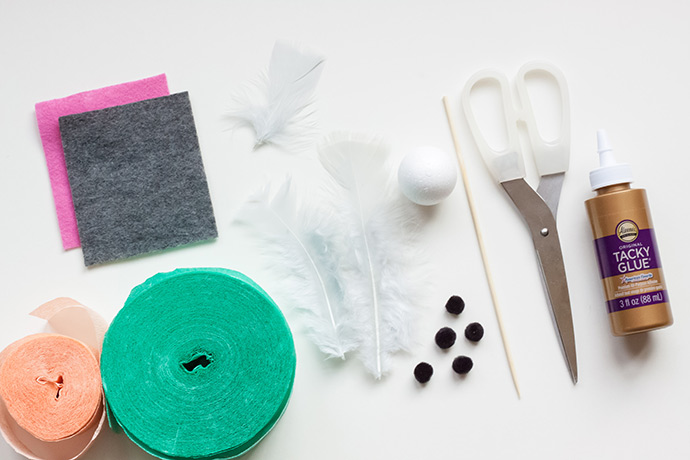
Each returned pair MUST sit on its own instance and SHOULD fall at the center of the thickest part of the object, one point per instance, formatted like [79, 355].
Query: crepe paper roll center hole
[201, 360]
[59, 383]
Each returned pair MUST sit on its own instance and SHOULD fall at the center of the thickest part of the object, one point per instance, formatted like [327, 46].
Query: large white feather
[300, 241]
[278, 106]
[379, 279]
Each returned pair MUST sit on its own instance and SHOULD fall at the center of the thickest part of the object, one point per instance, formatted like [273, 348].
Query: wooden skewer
[480, 240]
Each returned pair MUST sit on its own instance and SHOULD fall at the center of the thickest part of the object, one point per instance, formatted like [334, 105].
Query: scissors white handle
[553, 156]
[506, 164]
[550, 156]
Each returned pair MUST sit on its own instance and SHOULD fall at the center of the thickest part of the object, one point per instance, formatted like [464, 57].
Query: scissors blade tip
[571, 360]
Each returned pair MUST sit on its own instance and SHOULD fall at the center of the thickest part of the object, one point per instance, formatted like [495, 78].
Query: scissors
[538, 208]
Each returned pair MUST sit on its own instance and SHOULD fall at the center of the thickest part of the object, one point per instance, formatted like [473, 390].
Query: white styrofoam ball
[427, 175]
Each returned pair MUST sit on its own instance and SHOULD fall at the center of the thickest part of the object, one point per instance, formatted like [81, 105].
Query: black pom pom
[455, 305]
[462, 364]
[423, 372]
[474, 332]
[445, 337]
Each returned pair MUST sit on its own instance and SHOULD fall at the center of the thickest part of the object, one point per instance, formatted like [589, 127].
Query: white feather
[300, 241]
[380, 282]
[279, 105]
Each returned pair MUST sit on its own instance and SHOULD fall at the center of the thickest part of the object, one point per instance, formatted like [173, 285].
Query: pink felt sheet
[48, 113]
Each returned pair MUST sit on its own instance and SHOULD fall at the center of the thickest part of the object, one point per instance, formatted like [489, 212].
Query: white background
[389, 63]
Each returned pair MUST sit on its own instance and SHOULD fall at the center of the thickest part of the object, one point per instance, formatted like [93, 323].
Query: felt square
[47, 114]
[137, 178]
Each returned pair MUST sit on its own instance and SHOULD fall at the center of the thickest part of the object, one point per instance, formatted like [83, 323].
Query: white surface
[389, 64]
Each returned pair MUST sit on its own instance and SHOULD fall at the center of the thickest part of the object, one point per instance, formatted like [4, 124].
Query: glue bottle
[629, 263]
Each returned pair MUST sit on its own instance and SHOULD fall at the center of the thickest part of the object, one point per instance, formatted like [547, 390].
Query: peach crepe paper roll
[51, 398]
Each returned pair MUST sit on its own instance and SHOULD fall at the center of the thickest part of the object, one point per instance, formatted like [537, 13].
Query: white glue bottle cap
[609, 171]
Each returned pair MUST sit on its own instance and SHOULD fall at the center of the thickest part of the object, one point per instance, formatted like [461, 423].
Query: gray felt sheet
[137, 178]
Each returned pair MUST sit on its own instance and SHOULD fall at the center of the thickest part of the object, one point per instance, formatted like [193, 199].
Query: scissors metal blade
[550, 190]
[542, 226]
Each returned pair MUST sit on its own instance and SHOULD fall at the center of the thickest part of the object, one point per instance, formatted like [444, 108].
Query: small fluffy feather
[279, 105]
[376, 272]
[300, 241]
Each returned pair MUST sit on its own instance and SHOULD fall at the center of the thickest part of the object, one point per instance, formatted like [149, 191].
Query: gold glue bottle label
[630, 267]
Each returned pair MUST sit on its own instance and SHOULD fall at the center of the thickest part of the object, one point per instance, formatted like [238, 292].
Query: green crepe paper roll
[198, 364]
